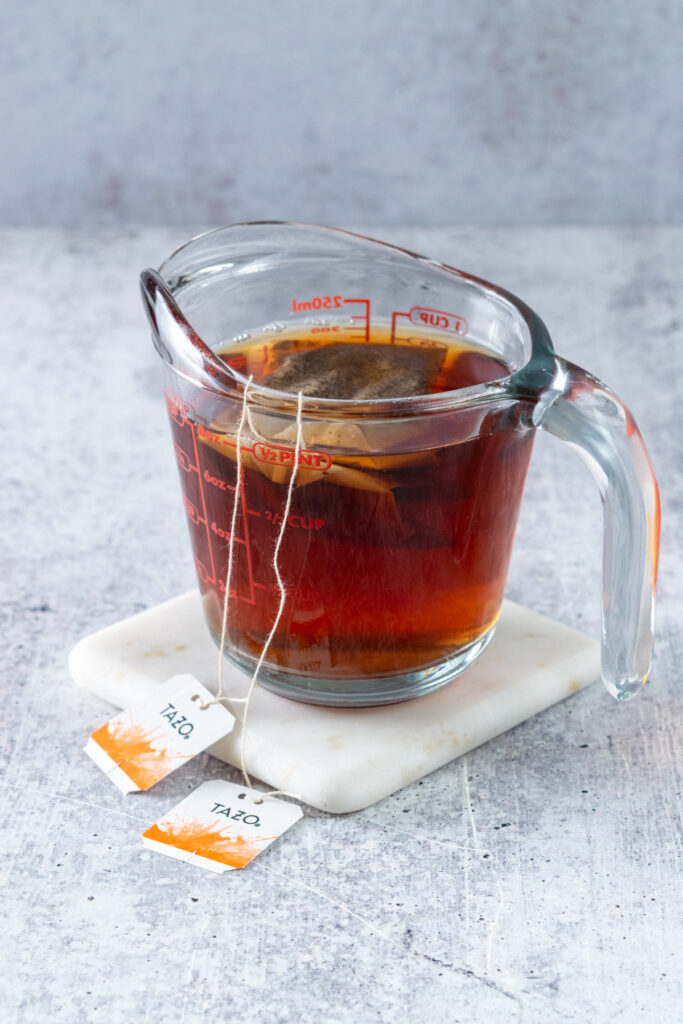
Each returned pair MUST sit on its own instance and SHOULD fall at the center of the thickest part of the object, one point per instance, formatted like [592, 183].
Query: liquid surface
[325, 363]
[399, 535]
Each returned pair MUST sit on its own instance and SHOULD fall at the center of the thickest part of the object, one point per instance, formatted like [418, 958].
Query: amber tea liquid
[393, 561]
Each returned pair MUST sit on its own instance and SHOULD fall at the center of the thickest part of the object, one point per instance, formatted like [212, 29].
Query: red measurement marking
[364, 325]
[237, 362]
[317, 302]
[295, 521]
[424, 317]
[204, 515]
[222, 485]
[234, 595]
[285, 456]
[175, 409]
[218, 531]
[209, 435]
[335, 302]
[272, 454]
[198, 516]
[225, 534]
[437, 318]
[394, 318]
[192, 512]
[247, 540]
[183, 459]
[202, 572]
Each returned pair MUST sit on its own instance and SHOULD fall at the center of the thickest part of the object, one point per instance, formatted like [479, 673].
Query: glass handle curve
[581, 411]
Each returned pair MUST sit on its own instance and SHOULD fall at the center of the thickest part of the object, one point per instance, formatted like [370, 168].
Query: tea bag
[359, 372]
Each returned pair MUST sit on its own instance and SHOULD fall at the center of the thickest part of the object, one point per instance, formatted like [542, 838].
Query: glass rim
[524, 382]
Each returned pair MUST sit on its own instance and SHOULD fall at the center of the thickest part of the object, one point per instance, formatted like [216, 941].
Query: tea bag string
[231, 547]
[283, 594]
[276, 568]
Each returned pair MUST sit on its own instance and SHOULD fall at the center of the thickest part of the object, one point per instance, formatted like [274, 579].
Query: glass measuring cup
[403, 512]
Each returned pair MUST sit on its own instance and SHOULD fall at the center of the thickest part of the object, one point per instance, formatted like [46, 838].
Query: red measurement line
[175, 409]
[222, 439]
[185, 462]
[246, 512]
[230, 487]
[240, 597]
[201, 491]
[364, 316]
[201, 571]
[245, 527]
[393, 324]
[192, 512]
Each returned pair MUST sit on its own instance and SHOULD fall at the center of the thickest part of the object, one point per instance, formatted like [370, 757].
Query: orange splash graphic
[132, 747]
[196, 837]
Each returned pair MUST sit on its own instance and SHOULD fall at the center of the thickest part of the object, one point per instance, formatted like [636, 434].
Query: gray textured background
[428, 113]
[565, 908]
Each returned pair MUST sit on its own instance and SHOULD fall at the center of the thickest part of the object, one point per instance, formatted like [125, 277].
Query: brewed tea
[391, 561]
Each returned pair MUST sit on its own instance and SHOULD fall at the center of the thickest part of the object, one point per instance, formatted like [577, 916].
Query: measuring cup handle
[580, 410]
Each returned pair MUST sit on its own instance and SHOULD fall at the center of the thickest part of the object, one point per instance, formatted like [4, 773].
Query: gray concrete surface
[438, 112]
[536, 880]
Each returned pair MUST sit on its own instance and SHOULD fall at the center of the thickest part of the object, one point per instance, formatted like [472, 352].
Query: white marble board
[340, 759]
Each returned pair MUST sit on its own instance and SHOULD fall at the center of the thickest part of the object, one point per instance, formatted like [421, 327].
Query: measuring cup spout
[175, 339]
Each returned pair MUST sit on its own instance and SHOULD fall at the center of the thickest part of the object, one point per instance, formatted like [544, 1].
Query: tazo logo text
[248, 819]
[179, 722]
[285, 457]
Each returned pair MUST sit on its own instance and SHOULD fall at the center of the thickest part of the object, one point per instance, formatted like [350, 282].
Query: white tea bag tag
[147, 742]
[221, 826]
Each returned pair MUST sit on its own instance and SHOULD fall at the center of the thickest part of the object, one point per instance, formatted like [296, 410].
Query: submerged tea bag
[359, 372]
[365, 454]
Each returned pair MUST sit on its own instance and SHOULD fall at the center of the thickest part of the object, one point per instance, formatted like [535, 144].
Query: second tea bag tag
[221, 826]
[147, 742]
